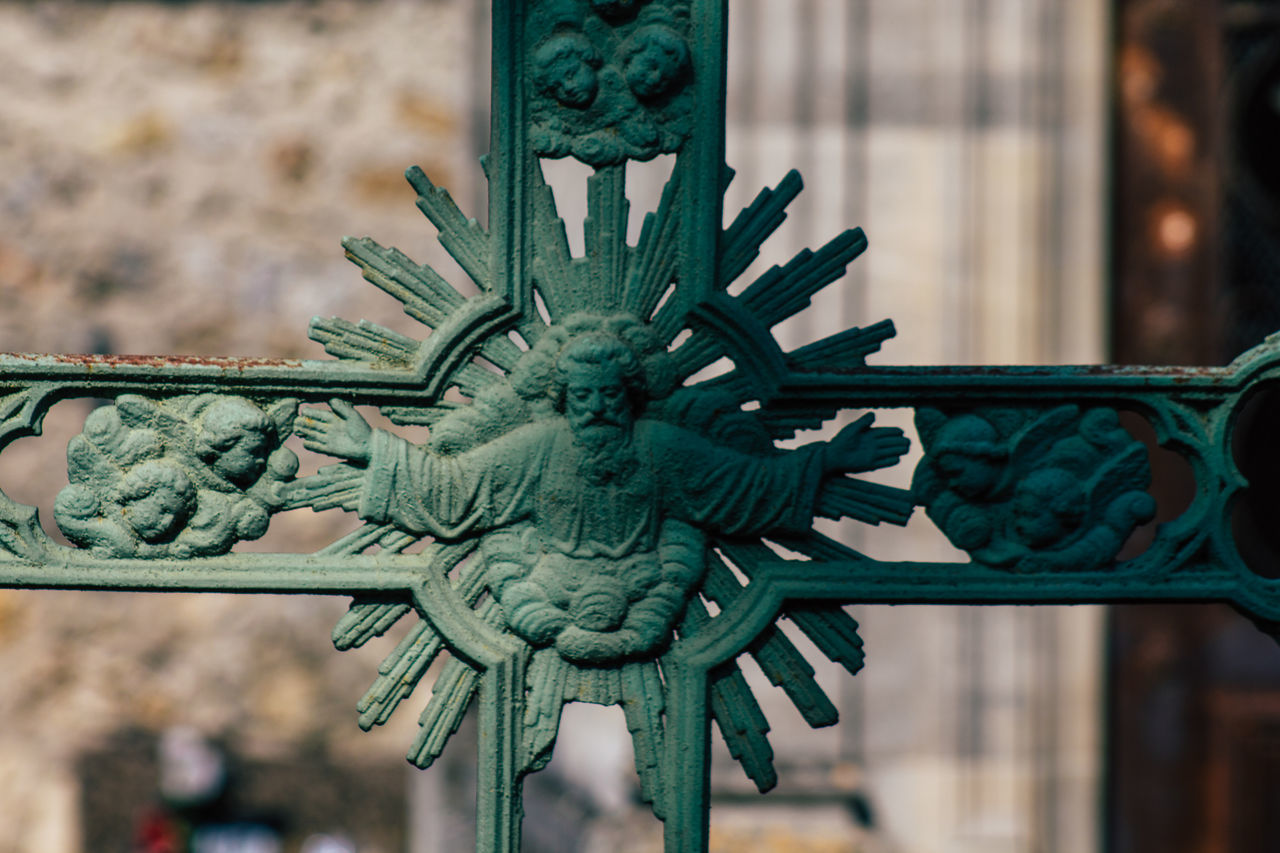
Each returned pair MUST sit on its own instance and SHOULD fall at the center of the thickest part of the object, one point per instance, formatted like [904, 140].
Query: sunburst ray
[450, 696]
[653, 269]
[742, 725]
[865, 501]
[402, 670]
[782, 292]
[363, 341]
[741, 241]
[833, 631]
[643, 704]
[426, 296]
[547, 678]
[737, 713]
[399, 674]
[462, 237]
[779, 660]
[844, 350]
[552, 261]
[828, 626]
[366, 619]
[605, 237]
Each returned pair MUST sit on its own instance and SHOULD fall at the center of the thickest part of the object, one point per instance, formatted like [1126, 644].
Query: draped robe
[532, 474]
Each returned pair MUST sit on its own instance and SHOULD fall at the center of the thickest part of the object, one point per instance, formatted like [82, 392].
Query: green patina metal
[585, 500]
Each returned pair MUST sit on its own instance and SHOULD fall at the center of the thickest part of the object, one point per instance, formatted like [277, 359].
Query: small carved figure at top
[187, 477]
[1033, 490]
[609, 80]
[566, 68]
[592, 511]
[654, 59]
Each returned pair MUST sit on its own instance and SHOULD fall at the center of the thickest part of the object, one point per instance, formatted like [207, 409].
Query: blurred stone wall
[176, 178]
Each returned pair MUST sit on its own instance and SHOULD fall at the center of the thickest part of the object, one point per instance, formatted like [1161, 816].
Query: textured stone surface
[177, 179]
[213, 154]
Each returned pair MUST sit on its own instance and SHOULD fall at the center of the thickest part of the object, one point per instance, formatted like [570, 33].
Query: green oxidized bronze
[1034, 489]
[590, 480]
[610, 79]
[183, 477]
[601, 523]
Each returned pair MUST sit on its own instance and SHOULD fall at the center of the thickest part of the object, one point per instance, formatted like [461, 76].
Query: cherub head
[654, 59]
[565, 68]
[155, 499]
[1047, 507]
[969, 456]
[234, 440]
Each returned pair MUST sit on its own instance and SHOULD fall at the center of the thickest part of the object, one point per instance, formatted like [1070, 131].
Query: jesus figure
[592, 515]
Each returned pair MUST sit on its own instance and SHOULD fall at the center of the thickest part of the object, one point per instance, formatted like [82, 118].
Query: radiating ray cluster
[749, 406]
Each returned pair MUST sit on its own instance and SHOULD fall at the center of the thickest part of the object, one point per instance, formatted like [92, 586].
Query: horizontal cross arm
[313, 574]
[868, 581]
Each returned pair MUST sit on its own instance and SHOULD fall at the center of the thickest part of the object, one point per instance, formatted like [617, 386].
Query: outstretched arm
[861, 447]
[339, 432]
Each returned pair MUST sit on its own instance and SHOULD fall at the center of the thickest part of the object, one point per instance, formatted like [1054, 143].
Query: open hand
[861, 447]
[340, 432]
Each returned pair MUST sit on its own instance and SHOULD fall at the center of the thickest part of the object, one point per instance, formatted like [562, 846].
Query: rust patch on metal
[221, 362]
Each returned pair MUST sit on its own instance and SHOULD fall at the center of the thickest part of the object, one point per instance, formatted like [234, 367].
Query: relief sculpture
[612, 505]
[187, 477]
[1034, 490]
[593, 510]
[610, 80]
[590, 496]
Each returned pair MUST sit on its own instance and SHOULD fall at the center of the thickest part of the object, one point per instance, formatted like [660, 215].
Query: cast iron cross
[600, 527]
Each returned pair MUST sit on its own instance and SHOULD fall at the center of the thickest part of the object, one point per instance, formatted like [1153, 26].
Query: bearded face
[598, 409]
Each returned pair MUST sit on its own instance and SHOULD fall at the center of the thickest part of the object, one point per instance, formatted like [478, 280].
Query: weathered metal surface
[588, 499]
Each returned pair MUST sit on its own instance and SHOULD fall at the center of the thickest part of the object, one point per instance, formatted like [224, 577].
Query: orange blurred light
[1175, 229]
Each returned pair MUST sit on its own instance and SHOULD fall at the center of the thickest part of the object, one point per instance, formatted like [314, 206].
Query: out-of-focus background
[1041, 181]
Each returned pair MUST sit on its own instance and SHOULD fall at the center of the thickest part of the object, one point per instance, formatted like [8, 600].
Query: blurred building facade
[1194, 705]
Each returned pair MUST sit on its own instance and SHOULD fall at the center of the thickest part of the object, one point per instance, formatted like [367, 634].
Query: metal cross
[601, 527]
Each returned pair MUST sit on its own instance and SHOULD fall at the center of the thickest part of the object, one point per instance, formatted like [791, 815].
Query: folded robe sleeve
[724, 491]
[451, 496]
[710, 486]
